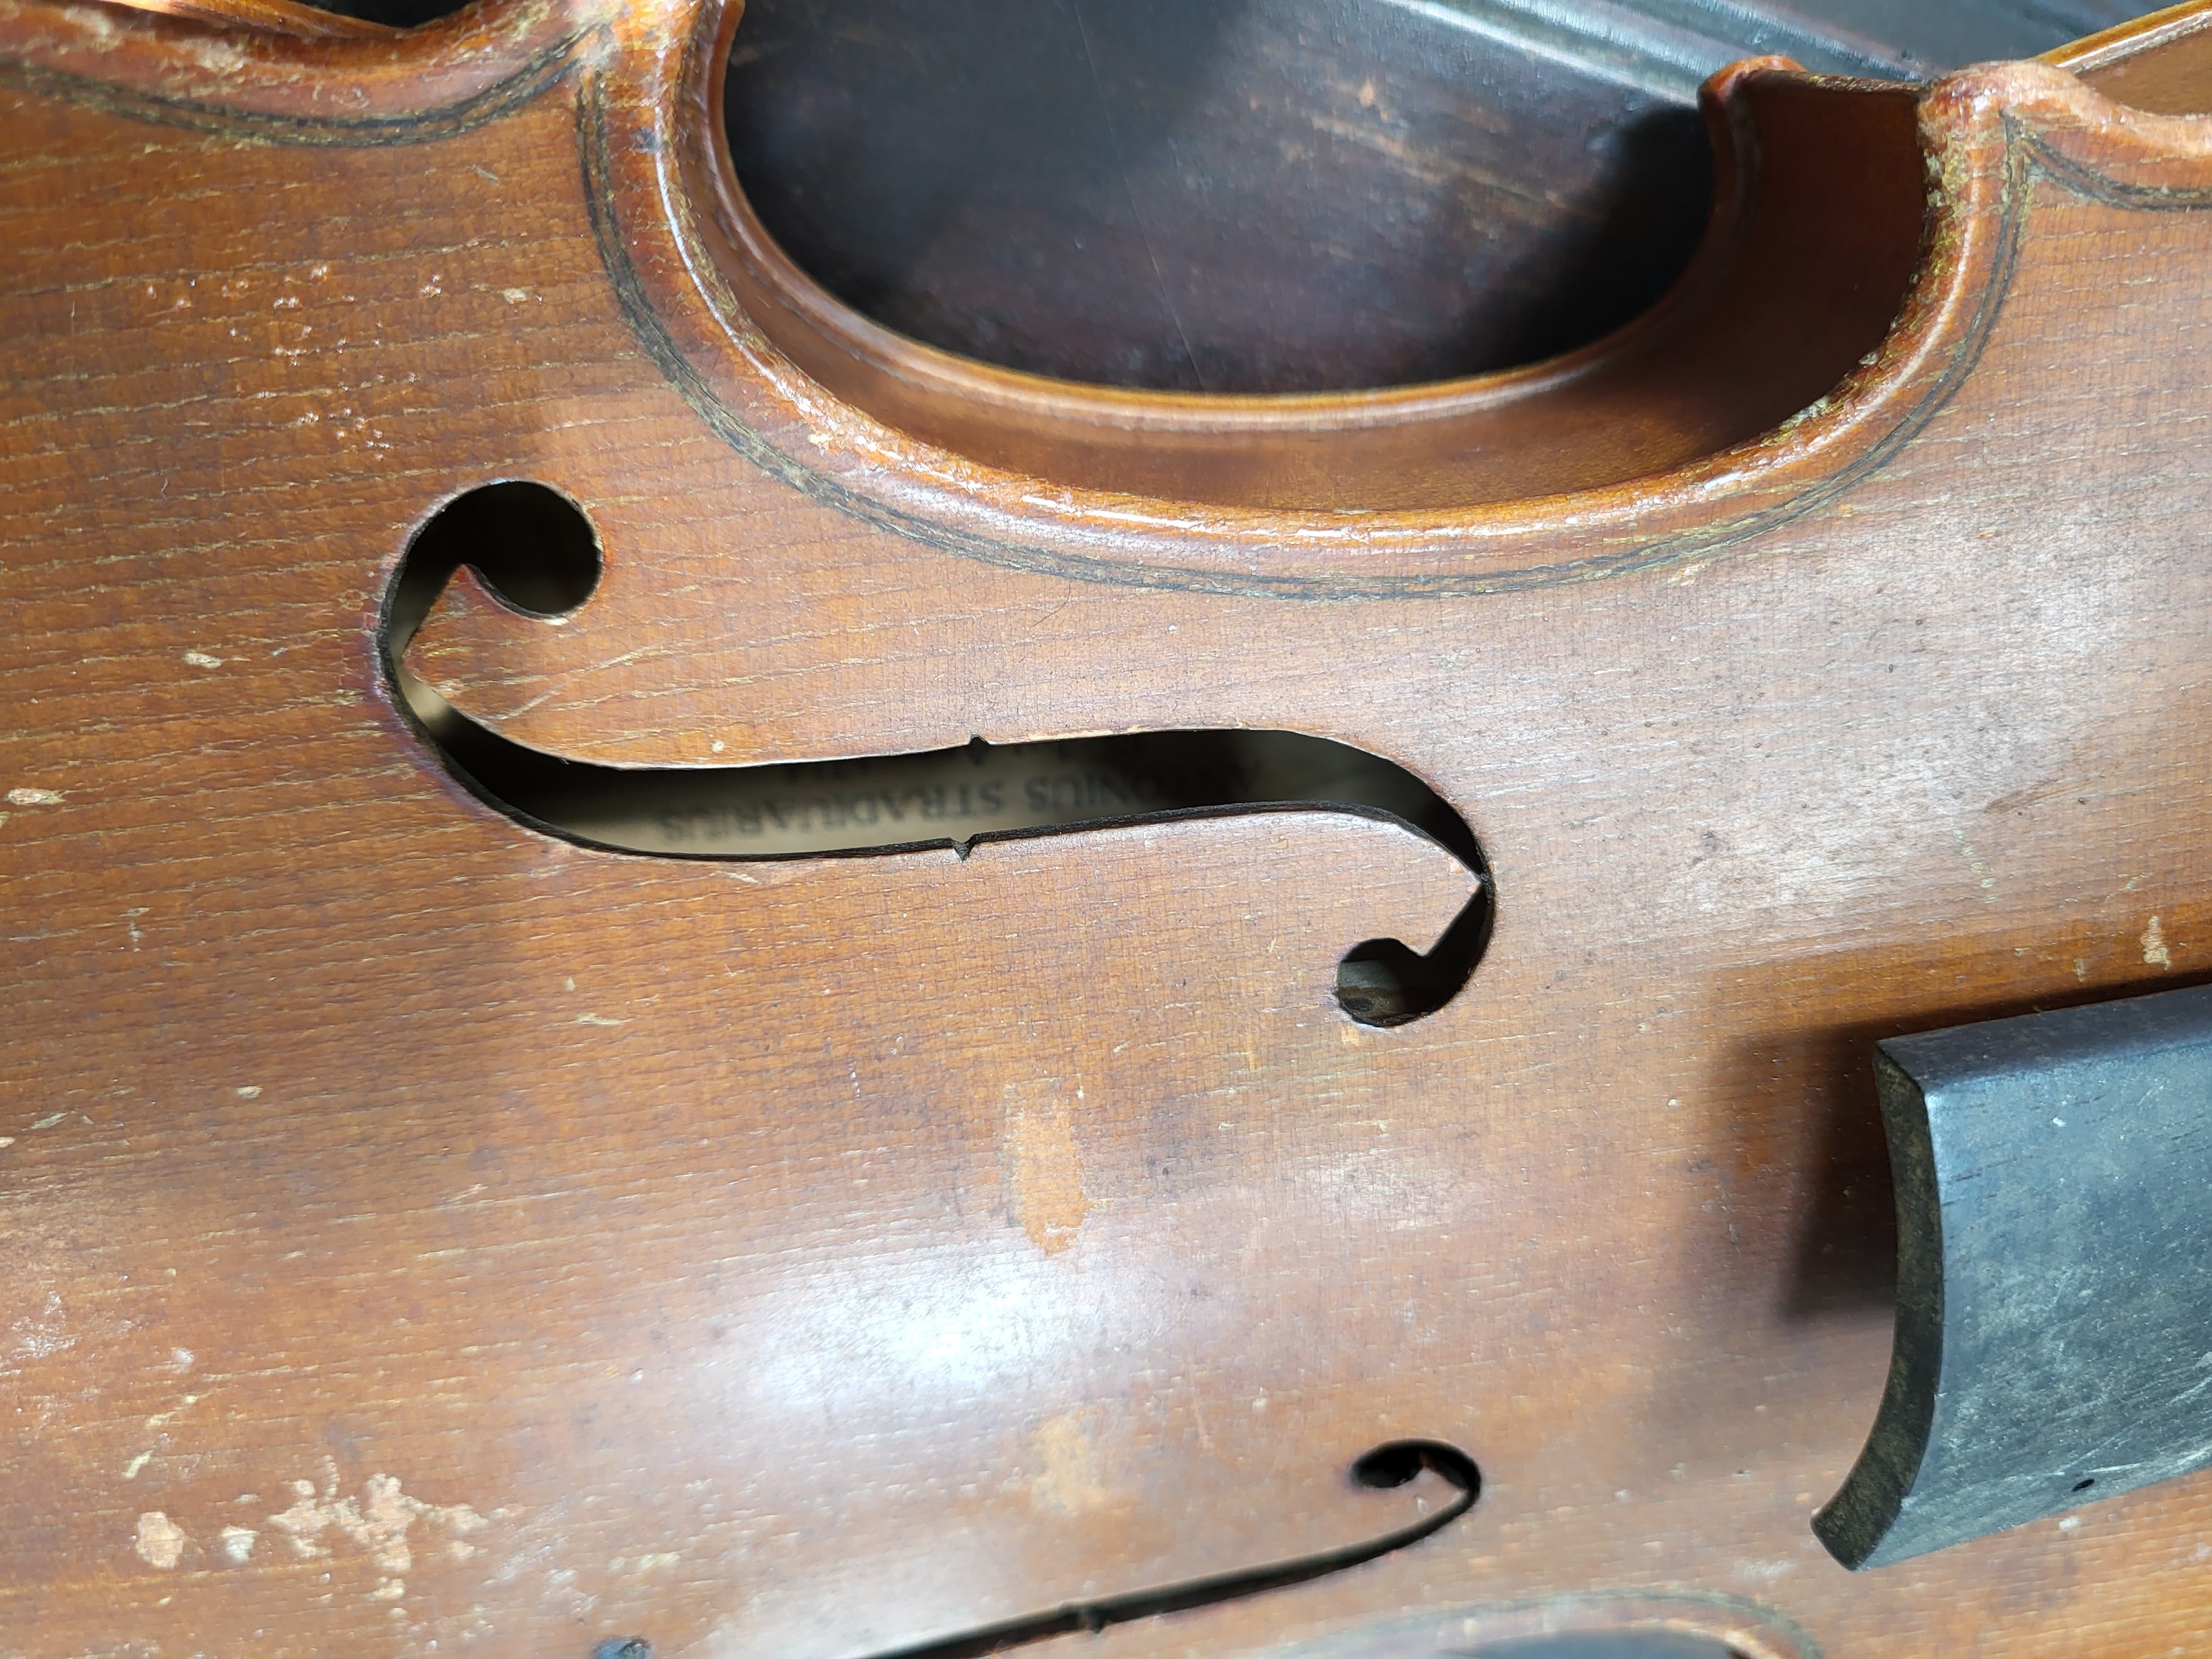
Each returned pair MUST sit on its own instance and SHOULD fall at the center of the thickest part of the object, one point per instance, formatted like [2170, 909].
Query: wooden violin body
[430, 1229]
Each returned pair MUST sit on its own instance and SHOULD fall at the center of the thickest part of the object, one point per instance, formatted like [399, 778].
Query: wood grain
[806, 1258]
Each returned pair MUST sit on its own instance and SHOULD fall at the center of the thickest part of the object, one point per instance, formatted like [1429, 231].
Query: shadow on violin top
[537, 553]
[1372, 368]
[1276, 196]
[1352, 255]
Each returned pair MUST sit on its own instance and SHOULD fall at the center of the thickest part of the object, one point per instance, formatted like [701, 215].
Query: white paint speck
[514, 296]
[201, 659]
[130, 1469]
[377, 1522]
[2058, 1122]
[49, 1120]
[249, 1091]
[236, 1544]
[221, 56]
[161, 1420]
[160, 1542]
[2154, 946]
[34, 797]
[1764, 1572]
[2070, 1523]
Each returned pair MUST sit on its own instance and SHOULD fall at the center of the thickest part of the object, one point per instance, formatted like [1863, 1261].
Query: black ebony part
[2054, 1191]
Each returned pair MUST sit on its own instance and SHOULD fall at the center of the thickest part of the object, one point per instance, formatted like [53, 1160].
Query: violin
[712, 956]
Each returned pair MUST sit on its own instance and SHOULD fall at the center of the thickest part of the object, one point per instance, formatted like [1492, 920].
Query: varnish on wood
[768, 890]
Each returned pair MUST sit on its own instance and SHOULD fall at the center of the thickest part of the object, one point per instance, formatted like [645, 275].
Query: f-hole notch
[537, 553]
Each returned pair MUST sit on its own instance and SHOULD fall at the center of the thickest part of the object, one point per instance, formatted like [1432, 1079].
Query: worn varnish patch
[377, 1522]
[1044, 1172]
[160, 1542]
[2155, 952]
[1070, 1476]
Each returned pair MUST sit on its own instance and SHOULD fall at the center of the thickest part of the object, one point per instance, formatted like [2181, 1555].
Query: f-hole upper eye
[536, 550]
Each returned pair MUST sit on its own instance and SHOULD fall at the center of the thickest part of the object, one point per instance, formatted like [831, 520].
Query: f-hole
[536, 552]
[1398, 1464]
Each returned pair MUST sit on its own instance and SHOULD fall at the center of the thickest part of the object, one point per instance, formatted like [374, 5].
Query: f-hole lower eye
[1385, 982]
[537, 553]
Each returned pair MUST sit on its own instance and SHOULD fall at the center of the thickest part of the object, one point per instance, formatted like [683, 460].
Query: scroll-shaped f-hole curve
[536, 552]
[1387, 1468]
[1397, 1464]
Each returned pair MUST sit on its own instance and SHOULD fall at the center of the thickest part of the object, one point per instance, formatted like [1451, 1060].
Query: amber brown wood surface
[424, 1234]
[2161, 63]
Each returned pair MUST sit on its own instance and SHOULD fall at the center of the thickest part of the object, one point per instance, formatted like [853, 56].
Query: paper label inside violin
[958, 795]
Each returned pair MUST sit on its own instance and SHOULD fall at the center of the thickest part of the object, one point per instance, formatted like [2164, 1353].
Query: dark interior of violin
[1277, 196]
[1156, 830]
[1272, 196]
